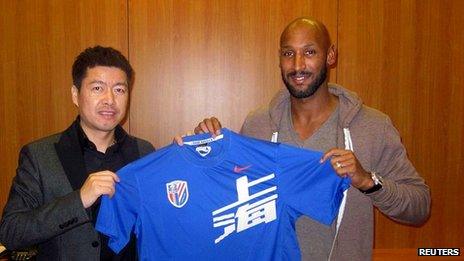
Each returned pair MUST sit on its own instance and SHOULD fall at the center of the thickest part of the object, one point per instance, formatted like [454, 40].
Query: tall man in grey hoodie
[360, 142]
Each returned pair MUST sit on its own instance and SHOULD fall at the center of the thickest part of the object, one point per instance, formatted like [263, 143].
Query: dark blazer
[44, 206]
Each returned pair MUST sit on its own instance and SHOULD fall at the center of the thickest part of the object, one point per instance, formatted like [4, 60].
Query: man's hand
[211, 125]
[346, 164]
[97, 184]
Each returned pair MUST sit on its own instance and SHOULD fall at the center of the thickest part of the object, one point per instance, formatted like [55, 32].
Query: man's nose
[108, 97]
[299, 61]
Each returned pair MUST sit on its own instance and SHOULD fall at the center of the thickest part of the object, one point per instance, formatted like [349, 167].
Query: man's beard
[311, 88]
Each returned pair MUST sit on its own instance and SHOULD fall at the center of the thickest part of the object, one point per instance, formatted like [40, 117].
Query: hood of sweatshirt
[349, 105]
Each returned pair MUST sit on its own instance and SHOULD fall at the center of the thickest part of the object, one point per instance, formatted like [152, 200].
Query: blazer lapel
[70, 154]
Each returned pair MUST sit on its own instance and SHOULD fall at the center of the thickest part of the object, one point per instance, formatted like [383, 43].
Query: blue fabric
[235, 198]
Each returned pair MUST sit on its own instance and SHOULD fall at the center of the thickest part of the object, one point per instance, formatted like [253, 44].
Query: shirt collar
[119, 135]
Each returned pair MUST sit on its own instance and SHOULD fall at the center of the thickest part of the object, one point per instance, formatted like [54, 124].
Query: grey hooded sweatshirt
[376, 143]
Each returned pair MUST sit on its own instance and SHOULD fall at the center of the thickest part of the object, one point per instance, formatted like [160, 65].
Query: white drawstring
[275, 136]
[348, 142]
[348, 146]
[341, 210]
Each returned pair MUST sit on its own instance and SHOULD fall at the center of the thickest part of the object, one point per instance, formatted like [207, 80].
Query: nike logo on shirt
[238, 169]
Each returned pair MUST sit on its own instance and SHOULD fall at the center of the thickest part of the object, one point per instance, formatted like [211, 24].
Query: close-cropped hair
[99, 56]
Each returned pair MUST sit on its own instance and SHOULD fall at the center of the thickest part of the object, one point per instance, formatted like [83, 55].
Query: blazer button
[95, 244]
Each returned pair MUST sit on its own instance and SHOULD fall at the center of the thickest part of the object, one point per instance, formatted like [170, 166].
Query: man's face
[303, 55]
[102, 99]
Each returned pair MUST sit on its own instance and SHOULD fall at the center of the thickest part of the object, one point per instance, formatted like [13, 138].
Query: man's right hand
[97, 184]
[212, 125]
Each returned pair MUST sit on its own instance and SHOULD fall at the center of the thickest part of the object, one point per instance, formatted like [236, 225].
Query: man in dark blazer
[54, 198]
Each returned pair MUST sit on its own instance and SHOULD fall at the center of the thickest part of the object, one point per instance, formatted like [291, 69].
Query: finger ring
[338, 165]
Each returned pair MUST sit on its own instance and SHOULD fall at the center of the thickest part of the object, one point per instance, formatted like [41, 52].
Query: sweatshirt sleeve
[404, 196]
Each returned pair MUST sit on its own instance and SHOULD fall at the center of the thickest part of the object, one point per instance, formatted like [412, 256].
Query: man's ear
[332, 56]
[74, 94]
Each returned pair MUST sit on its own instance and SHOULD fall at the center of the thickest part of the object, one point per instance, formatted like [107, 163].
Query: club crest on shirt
[177, 193]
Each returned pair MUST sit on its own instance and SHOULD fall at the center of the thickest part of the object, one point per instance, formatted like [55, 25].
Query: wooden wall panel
[405, 58]
[199, 58]
[39, 41]
[195, 59]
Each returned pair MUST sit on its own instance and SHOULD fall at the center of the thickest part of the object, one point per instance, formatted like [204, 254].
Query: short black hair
[99, 56]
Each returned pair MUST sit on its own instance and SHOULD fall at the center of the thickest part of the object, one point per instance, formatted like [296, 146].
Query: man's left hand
[346, 164]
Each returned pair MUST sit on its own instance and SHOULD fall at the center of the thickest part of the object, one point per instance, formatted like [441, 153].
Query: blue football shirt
[224, 198]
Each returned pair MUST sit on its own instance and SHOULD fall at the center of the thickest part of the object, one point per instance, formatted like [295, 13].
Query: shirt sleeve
[118, 215]
[309, 187]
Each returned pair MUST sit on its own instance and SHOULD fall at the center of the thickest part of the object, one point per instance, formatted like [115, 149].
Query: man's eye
[97, 88]
[310, 52]
[287, 53]
[120, 90]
